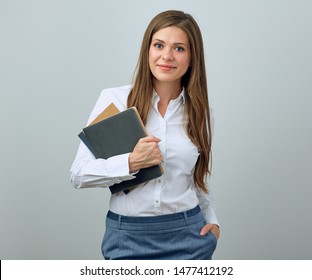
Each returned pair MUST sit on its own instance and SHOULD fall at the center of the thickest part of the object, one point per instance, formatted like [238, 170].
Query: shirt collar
[180, 98]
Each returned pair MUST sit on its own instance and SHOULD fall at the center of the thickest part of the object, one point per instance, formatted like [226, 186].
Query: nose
[167, 55]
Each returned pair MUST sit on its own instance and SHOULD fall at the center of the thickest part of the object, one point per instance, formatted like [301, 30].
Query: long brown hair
[194, 81]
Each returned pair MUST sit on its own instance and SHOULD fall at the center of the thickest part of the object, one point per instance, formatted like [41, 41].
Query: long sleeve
[206, 203]
[86, 171]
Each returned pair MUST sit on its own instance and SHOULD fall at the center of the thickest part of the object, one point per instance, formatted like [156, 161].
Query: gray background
[55, 58]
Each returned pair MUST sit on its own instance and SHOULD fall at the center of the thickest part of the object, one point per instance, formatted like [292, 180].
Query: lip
[166, 67]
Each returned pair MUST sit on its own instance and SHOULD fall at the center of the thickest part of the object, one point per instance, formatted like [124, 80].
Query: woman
[171, 217]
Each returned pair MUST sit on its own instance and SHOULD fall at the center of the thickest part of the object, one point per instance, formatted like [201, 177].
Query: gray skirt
[166, 237]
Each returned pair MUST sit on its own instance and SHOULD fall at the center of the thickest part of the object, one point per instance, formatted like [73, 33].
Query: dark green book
[117, 135]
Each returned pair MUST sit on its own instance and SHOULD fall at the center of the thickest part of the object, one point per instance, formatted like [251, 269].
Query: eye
[158, 46]
[179, 49]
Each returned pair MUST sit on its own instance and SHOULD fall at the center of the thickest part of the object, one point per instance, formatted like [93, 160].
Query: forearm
[88, 172]
[206, 203]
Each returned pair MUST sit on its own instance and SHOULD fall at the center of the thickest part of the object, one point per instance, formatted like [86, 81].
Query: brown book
[109, 111]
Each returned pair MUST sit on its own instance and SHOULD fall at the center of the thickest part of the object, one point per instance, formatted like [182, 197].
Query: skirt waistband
[154, 222]
[153, 219]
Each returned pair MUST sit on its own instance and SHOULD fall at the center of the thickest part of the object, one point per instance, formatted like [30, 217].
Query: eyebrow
[177, 43]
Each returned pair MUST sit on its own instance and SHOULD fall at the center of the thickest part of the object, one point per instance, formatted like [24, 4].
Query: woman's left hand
[210, 227]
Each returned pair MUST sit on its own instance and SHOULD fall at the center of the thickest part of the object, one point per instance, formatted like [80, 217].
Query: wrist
[133, 165]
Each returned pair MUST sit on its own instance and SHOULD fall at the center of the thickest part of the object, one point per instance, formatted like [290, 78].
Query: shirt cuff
[118, 166]
[210, 217]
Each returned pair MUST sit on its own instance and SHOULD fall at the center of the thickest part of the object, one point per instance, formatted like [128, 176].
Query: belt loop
[119, 222]
[185, 218]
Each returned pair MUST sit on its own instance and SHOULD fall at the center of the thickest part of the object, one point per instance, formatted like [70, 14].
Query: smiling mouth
[165, 67]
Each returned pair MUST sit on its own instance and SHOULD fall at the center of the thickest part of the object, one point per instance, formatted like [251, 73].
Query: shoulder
[122, 91]
[116, 95]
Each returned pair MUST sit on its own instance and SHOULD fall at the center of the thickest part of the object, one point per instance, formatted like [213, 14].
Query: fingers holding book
[146, 153]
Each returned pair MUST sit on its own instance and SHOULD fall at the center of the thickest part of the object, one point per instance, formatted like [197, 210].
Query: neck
[167, 91]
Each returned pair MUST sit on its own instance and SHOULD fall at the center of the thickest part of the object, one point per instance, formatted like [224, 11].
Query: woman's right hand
[145, 154]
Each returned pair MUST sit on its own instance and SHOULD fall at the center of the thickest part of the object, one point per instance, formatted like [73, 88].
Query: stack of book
[113, 133]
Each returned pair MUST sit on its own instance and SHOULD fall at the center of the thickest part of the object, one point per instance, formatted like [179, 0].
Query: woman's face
[169, 55]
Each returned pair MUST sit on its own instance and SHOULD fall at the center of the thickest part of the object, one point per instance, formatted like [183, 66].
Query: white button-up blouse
[174, 191]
